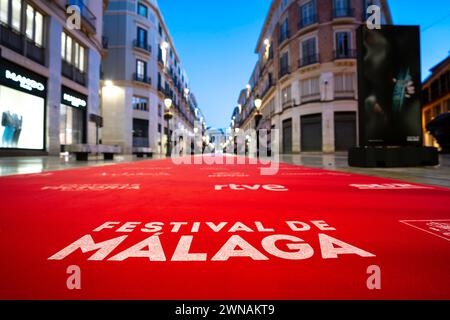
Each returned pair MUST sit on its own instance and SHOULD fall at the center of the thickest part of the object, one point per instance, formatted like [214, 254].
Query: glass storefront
[22, 108]
[72, 128]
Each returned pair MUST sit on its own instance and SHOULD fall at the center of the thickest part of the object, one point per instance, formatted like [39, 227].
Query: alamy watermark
[254, 147]
[73, 21]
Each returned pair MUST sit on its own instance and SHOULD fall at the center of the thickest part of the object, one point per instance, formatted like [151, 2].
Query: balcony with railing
[283, 37]
[344, 12]
[88, 19]
[73, 73]
[344, 54]
[160, 59]
[310, 97]
[306, 21]
[308, 60]
[342, 93]
[289, 103]
[138, 44]
[265, 61]
[268, 85]
[284, 70]
[142, 78]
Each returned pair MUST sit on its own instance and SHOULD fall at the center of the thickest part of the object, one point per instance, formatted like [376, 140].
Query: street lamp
[167, 116]
[258, 117]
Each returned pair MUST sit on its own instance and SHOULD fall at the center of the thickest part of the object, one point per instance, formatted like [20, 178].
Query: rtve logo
[254, 187]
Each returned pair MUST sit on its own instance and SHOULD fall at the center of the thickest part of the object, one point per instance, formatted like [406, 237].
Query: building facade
[436, 98]
[306, 74]
[141, 70]
[49, 75]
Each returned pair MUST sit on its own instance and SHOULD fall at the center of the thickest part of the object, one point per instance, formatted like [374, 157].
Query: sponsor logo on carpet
[135, 174]
[314, 174]
[253, 187]
[439, 228]
[92, 187]
[228, 175]
[150, 168]
[34, 175]
[389, 186]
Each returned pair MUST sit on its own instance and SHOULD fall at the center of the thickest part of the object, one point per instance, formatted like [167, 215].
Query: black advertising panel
[389, 86]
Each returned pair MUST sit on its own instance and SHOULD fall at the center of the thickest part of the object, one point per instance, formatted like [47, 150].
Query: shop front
[73, 118]
[22, 108]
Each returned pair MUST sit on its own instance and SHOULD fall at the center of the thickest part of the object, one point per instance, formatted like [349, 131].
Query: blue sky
[216, 41]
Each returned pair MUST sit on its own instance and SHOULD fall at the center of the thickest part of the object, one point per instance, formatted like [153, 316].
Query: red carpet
[301, 234]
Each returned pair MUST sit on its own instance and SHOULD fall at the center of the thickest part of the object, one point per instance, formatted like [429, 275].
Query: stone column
[328, 127]
[93, 70]
[54, 86]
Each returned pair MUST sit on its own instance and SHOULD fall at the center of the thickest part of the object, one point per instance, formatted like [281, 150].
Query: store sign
[24, 82]
[72, 98]
[74, 101]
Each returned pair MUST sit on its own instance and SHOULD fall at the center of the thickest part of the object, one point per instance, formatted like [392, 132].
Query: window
[310, 87]
[309, 47]
[141, 37]
[160, 29]
[284, 30]
[343, 82]
[142, 10]
[428, 116]
[426, 95]
[159, 111]
[435, 90]
[140, 103]
[284, 64]
[284, 4]
[159, 128]
[270, 107]
[436, 110]
[284, 60]
[445, 85]
[16, 14]
[72, 125]
[308, 14]
[286, 95]
[4, 9]
[140, 133]
[309, 52]
[343, 44]
[341, 8]
[141, 69]
[11, 13]
[72, 52]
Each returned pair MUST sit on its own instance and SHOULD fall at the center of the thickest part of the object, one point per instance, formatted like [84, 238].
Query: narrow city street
[437, 176]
